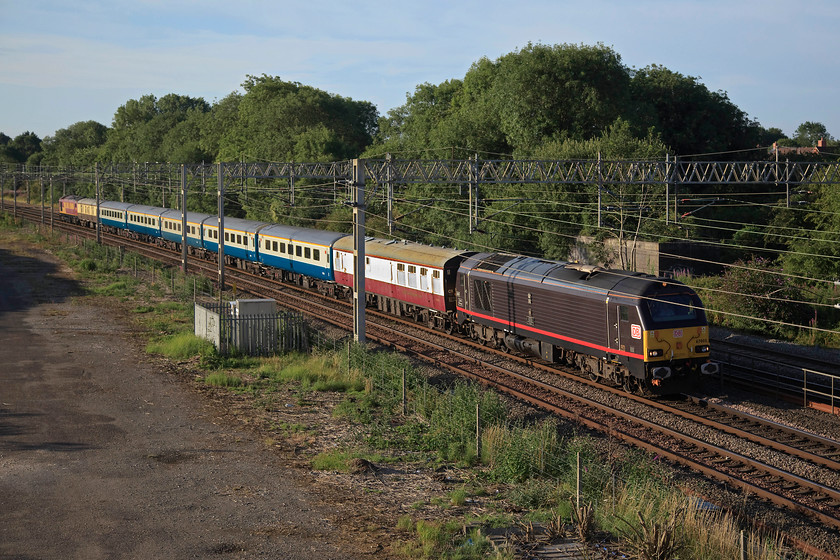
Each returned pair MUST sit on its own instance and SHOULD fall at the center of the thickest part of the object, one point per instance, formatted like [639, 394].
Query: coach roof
[403, 251]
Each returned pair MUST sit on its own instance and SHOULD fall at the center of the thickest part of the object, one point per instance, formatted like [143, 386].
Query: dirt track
[103, 456]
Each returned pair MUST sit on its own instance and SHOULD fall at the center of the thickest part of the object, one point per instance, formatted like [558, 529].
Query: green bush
[181, 346]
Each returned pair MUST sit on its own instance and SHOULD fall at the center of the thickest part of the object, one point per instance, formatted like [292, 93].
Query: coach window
[424, 279]
[282, 247]
[238, 239]
[298, 251]
[317, 255]
[412, 276]
[274, 246]
[437, 284]
[307, 253]
[401, 274]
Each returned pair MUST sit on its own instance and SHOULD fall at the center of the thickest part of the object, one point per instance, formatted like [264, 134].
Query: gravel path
[103, 456]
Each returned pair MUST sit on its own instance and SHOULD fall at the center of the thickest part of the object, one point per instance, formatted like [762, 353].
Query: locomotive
[645, 333]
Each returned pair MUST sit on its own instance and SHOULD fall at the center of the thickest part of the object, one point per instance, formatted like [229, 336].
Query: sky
[62, 62]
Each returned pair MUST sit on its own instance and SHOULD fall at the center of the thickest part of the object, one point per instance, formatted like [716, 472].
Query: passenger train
[645, 333]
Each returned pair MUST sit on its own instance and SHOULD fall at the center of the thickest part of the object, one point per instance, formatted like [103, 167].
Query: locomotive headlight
[701, 349]
[655, 353]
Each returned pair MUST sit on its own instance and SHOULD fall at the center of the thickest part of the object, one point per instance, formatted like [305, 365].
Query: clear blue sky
[62, 62]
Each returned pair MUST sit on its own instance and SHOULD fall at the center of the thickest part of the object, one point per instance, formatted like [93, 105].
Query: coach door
[625, 329]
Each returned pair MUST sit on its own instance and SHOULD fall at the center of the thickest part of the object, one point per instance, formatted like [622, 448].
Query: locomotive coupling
[710, 368]
[660, 373]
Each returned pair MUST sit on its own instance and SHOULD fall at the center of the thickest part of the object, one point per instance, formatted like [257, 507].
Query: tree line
[561, 101]
[550, 102]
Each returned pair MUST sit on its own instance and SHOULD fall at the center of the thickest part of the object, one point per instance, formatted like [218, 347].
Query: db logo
[636, 331]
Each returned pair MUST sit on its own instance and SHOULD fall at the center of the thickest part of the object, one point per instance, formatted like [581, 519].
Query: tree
[284, 121]
[811, 235]
[759, 297]
[222, 117]
[547, 93]
[565, 211]
[691, 119]
[140, 129]
[76, 145]
[809, 133]
[21, 148]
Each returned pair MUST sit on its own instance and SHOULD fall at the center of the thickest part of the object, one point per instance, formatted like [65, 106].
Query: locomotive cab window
[667, 308]
[623, 314]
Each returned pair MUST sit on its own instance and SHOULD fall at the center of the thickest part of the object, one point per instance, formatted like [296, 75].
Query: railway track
[774, 477]
[791, 468]
[781, 370]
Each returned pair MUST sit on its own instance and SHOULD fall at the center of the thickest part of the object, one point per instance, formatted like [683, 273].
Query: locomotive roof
[305, 235]
[559, 273]
[404, 251]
